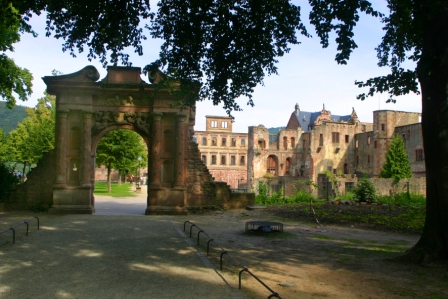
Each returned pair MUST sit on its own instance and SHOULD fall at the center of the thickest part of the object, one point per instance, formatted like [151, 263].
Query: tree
[13, 79]
[397, 165]
[232, 44]
[35, 134]
[365, 190]
[120, 150]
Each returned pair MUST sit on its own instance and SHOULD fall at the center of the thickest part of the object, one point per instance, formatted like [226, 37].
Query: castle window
[233, 142]
[232, 160]
[368, 140]
[368, 159]
[243, 142]
[287, 166]
[204, 140]
[272, 165]
[321, 140]
[419, 155]
[293, 142]
[195, 139]
[285, 143]
[383, 127]
[223, 142]
[357, 160]
[335, 137]
[214, 142]
[375, 144]
[242, 161]
[346, 138]
[224, 124]
[213, 159]
[204, 159]
[345, 168]
[223, 160]
[214, 124]
[356, 143]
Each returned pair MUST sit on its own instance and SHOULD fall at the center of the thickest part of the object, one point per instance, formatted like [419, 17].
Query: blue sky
[308, 75]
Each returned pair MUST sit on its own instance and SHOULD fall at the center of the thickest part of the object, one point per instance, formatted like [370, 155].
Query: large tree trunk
[433, 76]
[109, 185]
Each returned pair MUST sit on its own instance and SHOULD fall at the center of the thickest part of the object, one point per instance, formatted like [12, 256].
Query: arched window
[285, 142]
[272, 165]
[293, 142]
[287, 166]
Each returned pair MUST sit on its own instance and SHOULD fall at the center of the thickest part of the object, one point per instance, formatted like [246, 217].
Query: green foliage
[277, 197]
[7, 180]
[347, 196]
[262, 196]
[13, 79]
[35, 134]
[10, 118]
[365, 190]
[120, 150]
[300, 196]
[397, 165]
[403, 198]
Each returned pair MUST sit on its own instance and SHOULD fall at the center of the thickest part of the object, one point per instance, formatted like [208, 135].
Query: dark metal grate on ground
[264, 226]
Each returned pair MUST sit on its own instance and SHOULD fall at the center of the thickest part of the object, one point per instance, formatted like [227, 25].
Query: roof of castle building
[307, 120]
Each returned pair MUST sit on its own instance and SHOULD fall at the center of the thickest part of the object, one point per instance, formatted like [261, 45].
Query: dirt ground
[309, 261]
[306, 261]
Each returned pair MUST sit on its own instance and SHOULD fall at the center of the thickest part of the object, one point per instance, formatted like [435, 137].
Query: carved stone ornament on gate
[105, 119]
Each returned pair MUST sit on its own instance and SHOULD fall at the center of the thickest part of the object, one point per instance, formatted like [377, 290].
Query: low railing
[12, 228]
[223, 251]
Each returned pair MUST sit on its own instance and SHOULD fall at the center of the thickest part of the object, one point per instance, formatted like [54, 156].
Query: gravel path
[105, 256]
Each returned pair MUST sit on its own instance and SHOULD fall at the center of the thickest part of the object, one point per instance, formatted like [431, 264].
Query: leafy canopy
[224, 48]
[397, 165]
[13, 79]
[35, 134]
[120, 149]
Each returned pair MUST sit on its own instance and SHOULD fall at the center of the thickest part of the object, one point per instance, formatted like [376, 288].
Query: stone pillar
[181, 152]
[61, 177]
[87, 145]
[154, 166]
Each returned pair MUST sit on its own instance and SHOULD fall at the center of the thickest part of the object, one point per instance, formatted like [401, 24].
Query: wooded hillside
[9, 118]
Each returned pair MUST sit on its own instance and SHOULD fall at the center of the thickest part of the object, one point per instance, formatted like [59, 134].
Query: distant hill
[10, 118]
[275, 130]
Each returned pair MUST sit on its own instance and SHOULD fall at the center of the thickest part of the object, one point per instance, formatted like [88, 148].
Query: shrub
[404, 199]
[365, 191]
[300, 196]
[348, 196]
[7, 180]
[262, 197]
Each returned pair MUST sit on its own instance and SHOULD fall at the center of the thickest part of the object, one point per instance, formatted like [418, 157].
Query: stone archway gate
[87, 109]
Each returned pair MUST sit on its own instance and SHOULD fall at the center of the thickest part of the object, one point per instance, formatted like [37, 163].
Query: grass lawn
[124, 190]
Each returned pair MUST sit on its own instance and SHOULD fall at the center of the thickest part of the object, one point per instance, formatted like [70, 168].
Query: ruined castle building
[223, 151]
[314, 142]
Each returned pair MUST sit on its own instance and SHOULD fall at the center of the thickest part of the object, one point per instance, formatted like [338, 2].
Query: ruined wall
[37, 191]
[333, 148]
[385, 186]
[364, 152]
[413, 142]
